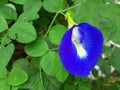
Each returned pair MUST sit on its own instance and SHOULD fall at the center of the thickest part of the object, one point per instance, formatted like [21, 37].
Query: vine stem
[51, 24]
[54, 49]
[41, 76]
[71, 7]
[59, 11]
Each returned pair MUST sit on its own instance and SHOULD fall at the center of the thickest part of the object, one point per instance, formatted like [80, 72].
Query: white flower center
[76, 36]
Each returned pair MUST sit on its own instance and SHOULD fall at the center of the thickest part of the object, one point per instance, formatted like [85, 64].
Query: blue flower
[80, 49]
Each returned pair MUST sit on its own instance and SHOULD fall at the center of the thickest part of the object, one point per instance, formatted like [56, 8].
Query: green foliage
[114, 60]
[50, 6]
[4, 84]
[83, 86]
[8, 12]
[17, 76]
[23, 32]
[56, 31]
[105, 66]
[51, 65]
[39, 47]
[51, 83]
[6, 51]
[21, 63]
[30, 34]
[3, 2]
[115, 13]
[30, 7]
[102, 21]
[18, 1]
[115, 87]
[3, 25]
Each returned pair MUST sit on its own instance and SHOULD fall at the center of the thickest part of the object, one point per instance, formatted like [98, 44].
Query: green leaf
[3, 2]
[6, 51]
[4, 84]
[105, 66]
[3, 72]
[5, 41]
[23, 32]
[50, 6]
[35, 62]
[18, 1]
[60, 73]
[51, 65]
[21, 63]
[116, 86]
[47, 63]
[15, 88]
[116, 14]
[8, 12]
[37, 86]
[3, 24]
[79, 1]
[56, 33]
[34, 78]
[17, 76]
[51, 83]
[28, 16]
[107, 50]
[84, 86]
[32, 5]
[69, 86]
[36, 48]
[115, 59]
[11, 6]
[108, 1]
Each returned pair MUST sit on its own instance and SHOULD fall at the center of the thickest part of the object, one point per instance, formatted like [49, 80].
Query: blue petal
[80, 49]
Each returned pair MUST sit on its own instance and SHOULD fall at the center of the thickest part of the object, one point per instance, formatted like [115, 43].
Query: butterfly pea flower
[80, 48]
